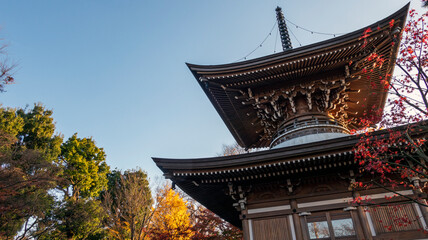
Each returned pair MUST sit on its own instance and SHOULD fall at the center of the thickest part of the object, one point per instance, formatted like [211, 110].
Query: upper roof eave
[329, 43]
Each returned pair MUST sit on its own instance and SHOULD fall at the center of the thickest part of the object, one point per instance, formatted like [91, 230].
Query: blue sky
[115, 70]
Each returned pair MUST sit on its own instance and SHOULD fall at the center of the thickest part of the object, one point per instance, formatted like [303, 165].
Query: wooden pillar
[304, 227]
[418, 192]
[246, 229]
[358, 225]
[296, 220]
[363, 220]
[246, 225]
[424, 210]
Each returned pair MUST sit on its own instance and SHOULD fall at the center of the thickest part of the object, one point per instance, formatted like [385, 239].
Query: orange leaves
[414, 42]
[412, 12]
[207, 225]
[393, 159]
[171, 219]
[389, 197]
[391, 23]
[365, 35]
[377, 60]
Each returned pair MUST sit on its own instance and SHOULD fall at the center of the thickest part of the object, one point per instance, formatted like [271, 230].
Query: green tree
[28, 171]
[10, 122]
[38, 131]
[85, 168]
[80, 214]
[128, 204]
[74, 219]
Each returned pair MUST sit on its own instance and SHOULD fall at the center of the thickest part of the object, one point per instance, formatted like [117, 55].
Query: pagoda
[301, 104]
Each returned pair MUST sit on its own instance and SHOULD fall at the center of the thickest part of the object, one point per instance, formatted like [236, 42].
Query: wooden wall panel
[271, 228]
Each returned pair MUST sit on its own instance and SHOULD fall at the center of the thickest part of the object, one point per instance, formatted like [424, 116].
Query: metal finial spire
[285, 38]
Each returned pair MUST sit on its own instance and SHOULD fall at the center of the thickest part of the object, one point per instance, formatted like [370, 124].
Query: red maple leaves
[394, 158]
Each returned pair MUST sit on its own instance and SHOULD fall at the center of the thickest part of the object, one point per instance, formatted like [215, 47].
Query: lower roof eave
[286, 155]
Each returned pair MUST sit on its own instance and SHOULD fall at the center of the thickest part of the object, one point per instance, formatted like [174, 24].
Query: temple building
[301, 104]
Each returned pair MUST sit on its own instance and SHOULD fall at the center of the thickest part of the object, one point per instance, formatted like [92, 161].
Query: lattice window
[394, 218]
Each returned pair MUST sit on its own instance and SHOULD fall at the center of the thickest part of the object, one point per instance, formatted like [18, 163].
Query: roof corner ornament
[283, 31]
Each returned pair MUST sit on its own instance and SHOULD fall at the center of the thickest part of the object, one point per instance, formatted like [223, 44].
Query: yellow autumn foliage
[171, 219]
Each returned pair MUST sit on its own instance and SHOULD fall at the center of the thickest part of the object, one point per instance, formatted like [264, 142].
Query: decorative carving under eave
[274, 107]
[238, 194]
[350, 178]
[291, 185]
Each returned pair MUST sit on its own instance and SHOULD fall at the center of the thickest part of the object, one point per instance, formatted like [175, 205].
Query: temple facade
[301, 104]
